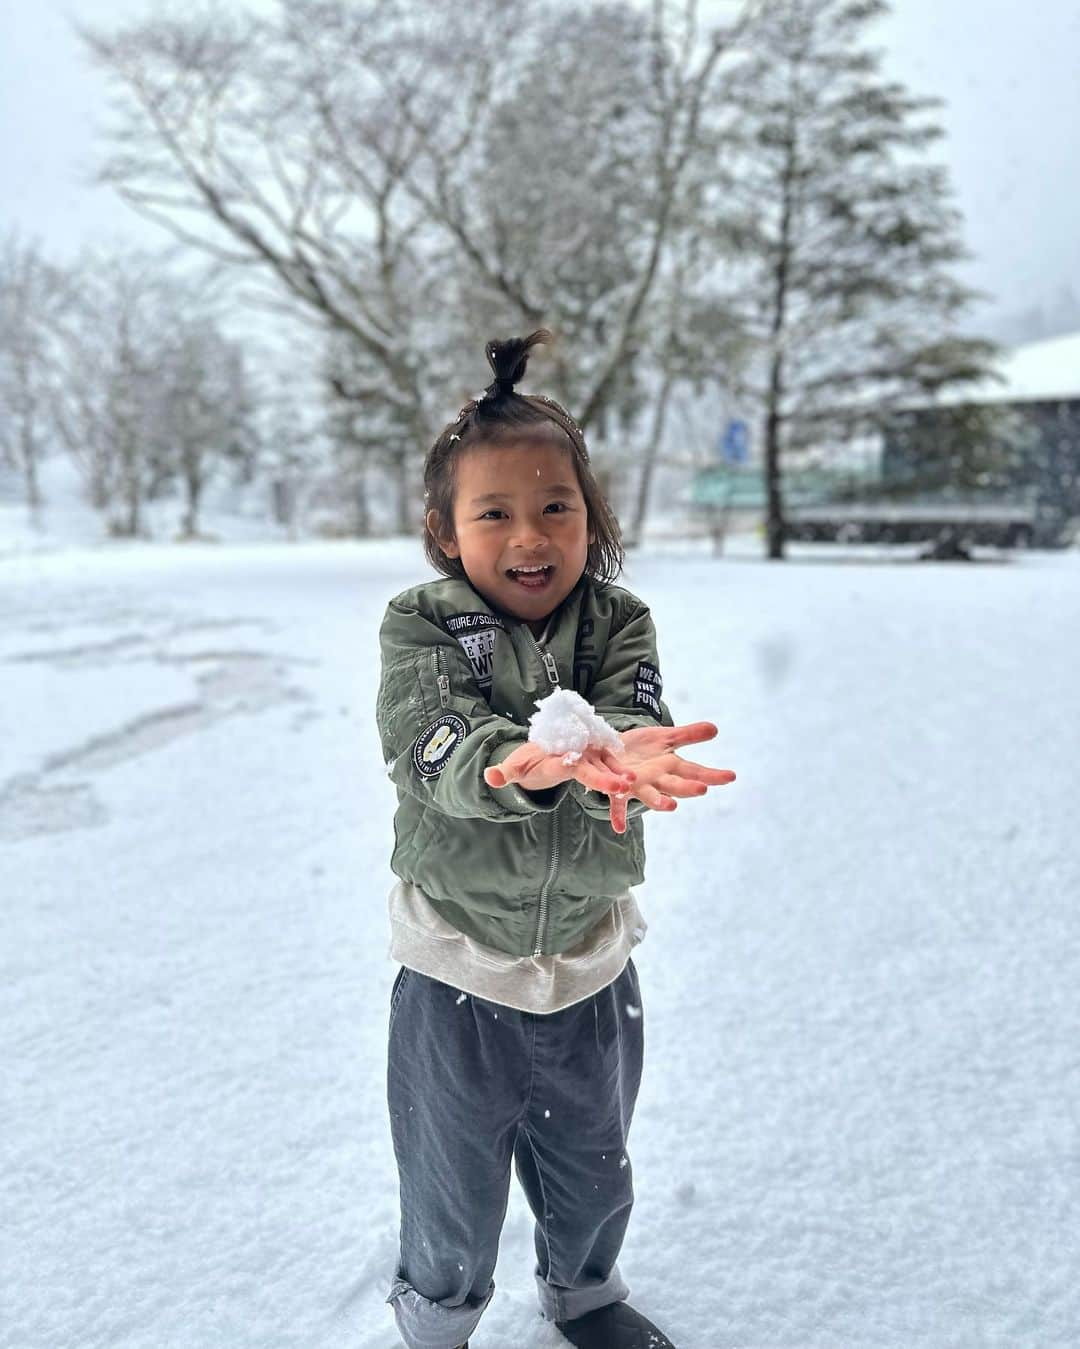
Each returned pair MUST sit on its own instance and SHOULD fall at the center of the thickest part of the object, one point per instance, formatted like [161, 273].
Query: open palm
[660, 775]
[647, 768]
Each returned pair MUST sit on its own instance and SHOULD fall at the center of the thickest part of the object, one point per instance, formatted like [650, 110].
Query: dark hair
[499, 418]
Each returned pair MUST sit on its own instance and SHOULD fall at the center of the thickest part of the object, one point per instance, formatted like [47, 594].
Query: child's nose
[530, 534]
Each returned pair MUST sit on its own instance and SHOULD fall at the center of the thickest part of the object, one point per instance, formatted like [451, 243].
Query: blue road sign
[735, 442]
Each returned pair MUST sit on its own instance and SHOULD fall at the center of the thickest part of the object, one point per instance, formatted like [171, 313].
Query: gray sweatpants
[472, 1084]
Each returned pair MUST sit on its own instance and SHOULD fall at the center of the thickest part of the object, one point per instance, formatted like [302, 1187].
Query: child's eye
[556, 506]
[488, 515]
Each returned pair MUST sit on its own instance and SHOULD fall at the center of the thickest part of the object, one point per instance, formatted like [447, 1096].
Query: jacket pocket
[449, 699]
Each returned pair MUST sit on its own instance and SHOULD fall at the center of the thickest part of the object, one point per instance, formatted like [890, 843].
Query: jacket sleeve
[437, 741]
[626, 693]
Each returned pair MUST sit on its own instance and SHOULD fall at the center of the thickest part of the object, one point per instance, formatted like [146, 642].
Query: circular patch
[437, 742]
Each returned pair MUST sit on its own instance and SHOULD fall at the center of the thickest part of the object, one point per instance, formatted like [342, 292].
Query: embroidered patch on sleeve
[437, 742]
[476, 633]
[647, 687]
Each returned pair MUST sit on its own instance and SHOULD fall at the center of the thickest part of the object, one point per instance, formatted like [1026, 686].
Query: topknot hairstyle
[499, 418]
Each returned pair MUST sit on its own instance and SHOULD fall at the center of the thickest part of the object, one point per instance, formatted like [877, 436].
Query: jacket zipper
[547, 660]
[552, 671]
[442, 681]
[542, 919]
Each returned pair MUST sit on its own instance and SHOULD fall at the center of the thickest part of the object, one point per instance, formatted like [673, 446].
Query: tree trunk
[648, 464]
[362, 511]
[133, 503]
[401, 485]
[30, 477]
[775, 504]
[774, 519]
[190, 526]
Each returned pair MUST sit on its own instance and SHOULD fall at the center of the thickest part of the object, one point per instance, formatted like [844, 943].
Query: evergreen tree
[846, 236]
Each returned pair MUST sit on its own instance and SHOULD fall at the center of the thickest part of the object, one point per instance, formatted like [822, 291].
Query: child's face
[515, 508]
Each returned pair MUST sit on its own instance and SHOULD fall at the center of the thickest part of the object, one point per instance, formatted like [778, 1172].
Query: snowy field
[859, 1119]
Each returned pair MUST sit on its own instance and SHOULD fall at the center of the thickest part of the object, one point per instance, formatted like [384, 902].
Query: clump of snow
[566, 724]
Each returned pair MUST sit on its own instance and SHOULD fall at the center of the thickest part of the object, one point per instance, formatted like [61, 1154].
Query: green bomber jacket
[525, 872]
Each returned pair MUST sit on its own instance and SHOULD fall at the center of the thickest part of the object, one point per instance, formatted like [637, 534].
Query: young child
[515, 1019]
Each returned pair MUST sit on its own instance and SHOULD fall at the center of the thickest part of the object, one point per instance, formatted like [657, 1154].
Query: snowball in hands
[565, 724]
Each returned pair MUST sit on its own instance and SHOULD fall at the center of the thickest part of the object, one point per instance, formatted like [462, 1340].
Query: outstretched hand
[534, 769]
[648, 768]
[660, 775]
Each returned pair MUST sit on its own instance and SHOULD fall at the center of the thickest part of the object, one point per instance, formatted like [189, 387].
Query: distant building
[1026, 442]
[998, 463]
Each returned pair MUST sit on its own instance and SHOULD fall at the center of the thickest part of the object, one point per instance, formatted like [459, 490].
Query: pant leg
[571, 1152]
[457, 1080]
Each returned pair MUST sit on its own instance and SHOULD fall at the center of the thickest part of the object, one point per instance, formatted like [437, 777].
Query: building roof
[1038, 372]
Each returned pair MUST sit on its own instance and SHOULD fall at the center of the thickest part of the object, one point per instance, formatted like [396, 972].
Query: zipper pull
[551, 668]
[443, 682]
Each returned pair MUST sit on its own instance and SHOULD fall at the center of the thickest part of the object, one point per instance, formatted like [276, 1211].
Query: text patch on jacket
[476, 633]
[647, 688]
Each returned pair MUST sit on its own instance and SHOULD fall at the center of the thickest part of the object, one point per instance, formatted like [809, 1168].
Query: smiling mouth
[532, 578]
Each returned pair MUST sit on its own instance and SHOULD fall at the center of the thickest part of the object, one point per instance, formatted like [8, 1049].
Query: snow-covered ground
[859, 1119]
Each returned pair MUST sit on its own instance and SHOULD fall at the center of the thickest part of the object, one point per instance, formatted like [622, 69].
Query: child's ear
[434, 523]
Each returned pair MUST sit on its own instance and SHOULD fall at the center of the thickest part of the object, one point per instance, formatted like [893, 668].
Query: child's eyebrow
[557, 489]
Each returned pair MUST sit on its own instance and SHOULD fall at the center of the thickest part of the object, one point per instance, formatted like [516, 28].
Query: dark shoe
[616, 1326]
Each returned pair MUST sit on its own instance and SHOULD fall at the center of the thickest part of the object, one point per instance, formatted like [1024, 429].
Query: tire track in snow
[235, 683]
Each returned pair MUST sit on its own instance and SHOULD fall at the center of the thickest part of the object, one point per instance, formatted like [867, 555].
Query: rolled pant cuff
[424, 1324]
[567, 1304]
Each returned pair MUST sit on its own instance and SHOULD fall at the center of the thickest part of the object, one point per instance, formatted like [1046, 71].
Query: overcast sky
[1008, 71]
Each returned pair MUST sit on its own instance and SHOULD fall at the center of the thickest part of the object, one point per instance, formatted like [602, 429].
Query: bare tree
[696, 345]
[227, 141]
[111, 400]
[373, 160]
[568, 188]
[207, 419]
[35, 297]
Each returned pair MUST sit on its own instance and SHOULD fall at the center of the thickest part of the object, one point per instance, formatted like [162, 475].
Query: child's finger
[697, 772]
[653, 799]
[512, 769]
[617, 764]
[679, 786]
[599, 779]
[618, 813]
[693, 734]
